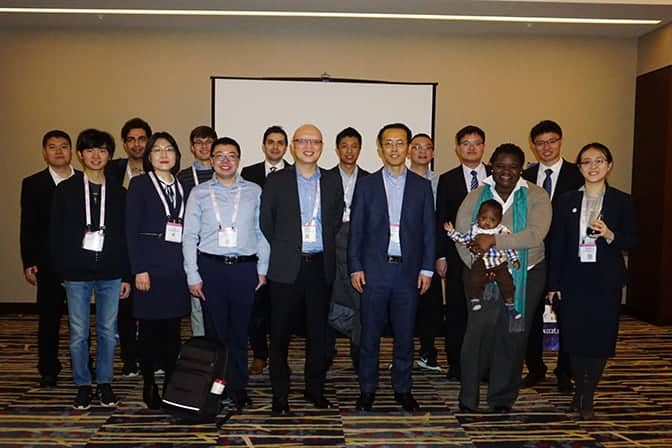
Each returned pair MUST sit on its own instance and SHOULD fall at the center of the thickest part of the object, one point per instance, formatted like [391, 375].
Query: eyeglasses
[471, 143]
[388, 144]
[550, 141]
[202, 142]
[163, 149]
[307, 141]
[225, 157]
[596, 162]
[422, 148]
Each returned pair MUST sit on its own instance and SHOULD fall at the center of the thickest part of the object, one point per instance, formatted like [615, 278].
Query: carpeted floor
[633, 407]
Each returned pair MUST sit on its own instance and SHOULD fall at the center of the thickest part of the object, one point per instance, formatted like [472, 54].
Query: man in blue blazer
[391, 253]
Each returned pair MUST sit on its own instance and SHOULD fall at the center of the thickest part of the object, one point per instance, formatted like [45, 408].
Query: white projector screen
[243, 108]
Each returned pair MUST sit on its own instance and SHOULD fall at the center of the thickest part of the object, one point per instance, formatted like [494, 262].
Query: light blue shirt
[307, 190]
[348, 182]
[200, 167]
[394, 191]
[434, 179]
[201, 228]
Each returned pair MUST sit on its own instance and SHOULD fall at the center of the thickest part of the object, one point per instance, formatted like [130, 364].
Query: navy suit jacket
[370, 229]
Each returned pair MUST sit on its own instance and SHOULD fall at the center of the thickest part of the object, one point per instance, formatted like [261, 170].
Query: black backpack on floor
[195, 390]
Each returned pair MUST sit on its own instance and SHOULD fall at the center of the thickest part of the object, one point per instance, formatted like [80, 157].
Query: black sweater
[68, 224]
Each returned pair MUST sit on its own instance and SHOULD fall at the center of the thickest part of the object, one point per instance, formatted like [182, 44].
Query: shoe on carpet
[257, 367]
[428, 362]
[83, 398]
[130, 370]
[48, 381]
[106, 395]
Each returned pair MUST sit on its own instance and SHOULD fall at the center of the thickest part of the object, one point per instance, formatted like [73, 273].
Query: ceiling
[600, 9]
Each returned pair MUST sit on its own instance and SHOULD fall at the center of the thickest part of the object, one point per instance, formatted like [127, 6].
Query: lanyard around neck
[166, 207]
[87, 204]
[236, 205]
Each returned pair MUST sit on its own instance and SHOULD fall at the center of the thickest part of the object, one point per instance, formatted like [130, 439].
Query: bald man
[301, 211]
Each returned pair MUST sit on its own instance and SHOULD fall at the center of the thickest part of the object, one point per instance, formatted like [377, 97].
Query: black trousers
[488, 345]
[259, 324]
[159, 343]
[309, 294]
[456, 315]
[429, 317]
[50, 308]
[127, 326]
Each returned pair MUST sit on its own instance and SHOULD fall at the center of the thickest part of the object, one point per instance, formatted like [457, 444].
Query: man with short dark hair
[452, 189]
[274, 146]
[37, 191]
[556, 176]
[201, 139]
[391, 254]
[134, 135]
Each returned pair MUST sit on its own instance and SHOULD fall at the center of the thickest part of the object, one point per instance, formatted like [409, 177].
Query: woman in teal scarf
[492, 343]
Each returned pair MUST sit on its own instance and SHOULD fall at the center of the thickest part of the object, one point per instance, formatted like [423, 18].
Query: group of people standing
[276, 247]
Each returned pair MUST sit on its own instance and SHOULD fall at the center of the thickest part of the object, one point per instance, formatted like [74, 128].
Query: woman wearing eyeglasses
[592, 226]
[154, 212]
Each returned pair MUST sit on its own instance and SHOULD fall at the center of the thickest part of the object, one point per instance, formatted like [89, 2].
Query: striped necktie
[474, 180]
[548, 183]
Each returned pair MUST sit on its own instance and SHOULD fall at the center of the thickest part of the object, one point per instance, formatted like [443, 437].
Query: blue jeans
[79, 307]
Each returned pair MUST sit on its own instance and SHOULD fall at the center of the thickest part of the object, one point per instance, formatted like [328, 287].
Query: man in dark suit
[274, 146]
[391, 254]
[556, 176]
[453, 187]
[134, 134]
[36, 194]
[344, 313]
[301, 211]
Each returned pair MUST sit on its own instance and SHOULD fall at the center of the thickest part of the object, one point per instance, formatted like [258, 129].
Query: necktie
[548, 183]
[474, 180]
[171, 194]
[272, 169]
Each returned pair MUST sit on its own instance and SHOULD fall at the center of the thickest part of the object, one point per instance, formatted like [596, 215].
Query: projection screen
[243, 108]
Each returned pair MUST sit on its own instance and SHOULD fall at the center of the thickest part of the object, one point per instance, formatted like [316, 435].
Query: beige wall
[505, 84]
[655, 50]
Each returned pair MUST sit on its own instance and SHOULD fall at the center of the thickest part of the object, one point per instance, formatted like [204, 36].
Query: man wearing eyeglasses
[556, 176]
[226, 257]
[430, 305]
[391, 254]
[134, 134]
[301, 212]
[201, 138]
[274, 146]
[453, 188]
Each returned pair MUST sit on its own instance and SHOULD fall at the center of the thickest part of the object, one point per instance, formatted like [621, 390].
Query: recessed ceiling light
[335, 15]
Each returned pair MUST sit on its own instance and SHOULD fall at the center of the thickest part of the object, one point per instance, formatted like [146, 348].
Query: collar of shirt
[496, 231]
[200, 167]
[345, 176]
[310, 179]
[278, 166]
[215, 182]
[166, 184]
[58, 179]
[541, 174]
[522, 183]
[388, 174]
[481, 174]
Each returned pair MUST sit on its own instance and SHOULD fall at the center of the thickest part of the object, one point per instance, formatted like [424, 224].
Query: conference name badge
[228, 237]
[93, 241]
[346, 214]
[309, 233]
[588, 251]
[173, 232]
[394, 233]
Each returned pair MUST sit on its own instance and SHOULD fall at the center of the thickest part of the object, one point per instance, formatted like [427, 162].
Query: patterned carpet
[633, 407]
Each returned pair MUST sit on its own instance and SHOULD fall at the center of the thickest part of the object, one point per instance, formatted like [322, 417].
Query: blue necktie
[474, 180]
[548, 184]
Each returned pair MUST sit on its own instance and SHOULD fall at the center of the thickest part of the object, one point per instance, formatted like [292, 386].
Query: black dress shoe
[365, 401]
[280, 405]
[453, 374]
[150, 395]
[532, 379]
[564, 384]
[464, 408]
[48, 381]
[241, 400]
[319, 401]
[501, 409]
[407, 402]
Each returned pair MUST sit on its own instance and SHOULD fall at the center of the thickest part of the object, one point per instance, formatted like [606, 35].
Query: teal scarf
[519, 223]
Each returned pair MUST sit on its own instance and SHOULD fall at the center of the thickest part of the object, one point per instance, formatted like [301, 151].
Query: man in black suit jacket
[36, 195]
[274, 146]
[453, 187]
[344, 313]
[134, 135]
[556, 176]
[301, 211]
